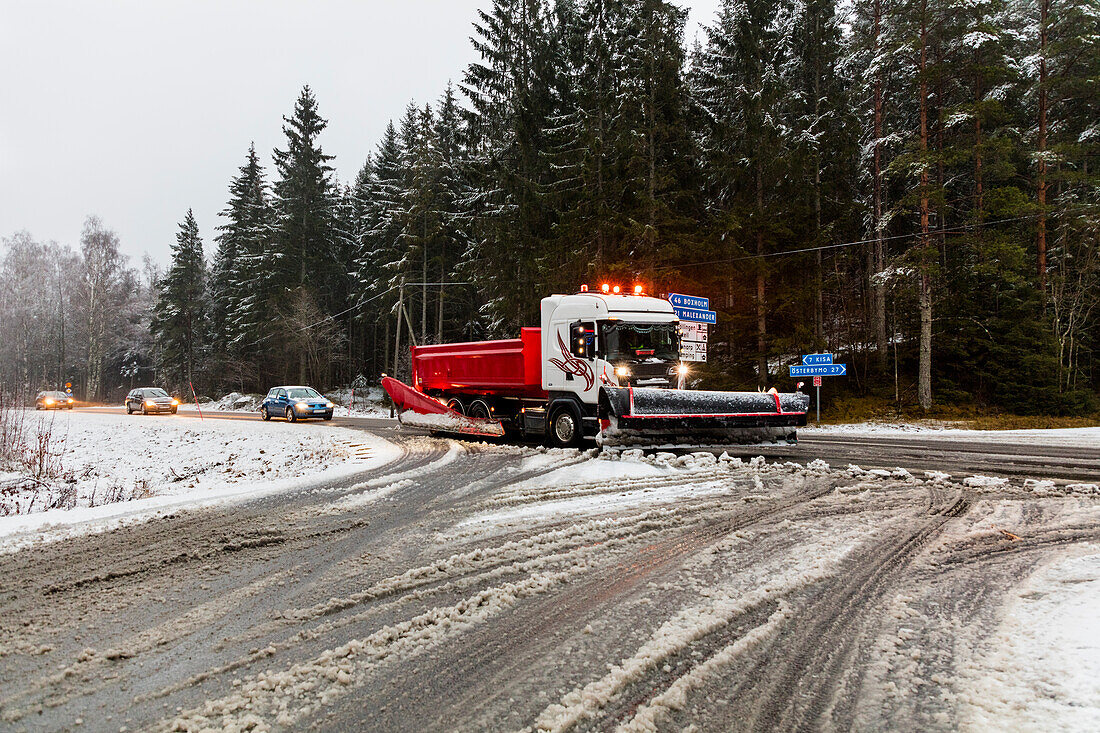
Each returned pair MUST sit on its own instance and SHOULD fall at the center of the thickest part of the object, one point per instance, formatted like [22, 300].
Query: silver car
[147, 400]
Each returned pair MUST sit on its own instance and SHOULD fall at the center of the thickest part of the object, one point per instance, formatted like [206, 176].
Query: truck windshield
[621, 340]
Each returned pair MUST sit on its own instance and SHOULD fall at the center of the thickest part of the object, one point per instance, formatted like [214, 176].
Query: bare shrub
[32, 451]
[12, 429]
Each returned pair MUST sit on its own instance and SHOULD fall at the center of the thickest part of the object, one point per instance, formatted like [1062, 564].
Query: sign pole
[818, 402]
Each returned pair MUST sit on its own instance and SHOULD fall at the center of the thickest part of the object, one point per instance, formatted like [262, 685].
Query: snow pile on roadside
[232, 402]
[114, 465]
[1068, 437]
[368, 402]
[1043, 668]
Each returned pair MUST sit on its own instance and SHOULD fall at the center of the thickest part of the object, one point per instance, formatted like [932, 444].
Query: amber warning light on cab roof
[609, 289]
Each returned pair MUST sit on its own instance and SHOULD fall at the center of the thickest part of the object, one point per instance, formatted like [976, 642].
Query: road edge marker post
[196, 400]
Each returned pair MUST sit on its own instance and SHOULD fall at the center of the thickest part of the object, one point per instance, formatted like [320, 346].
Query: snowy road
[470, 586]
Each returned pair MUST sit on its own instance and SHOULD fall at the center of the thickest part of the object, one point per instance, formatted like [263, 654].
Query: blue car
[295, 403]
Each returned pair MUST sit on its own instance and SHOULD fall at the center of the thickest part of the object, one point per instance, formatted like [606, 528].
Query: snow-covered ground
[1043, 670]
[1078, 437]
[114, 465]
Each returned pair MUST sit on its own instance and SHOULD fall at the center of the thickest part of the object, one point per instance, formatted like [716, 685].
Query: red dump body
[508, 368]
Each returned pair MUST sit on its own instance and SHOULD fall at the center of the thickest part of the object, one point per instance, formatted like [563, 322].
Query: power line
[946, 230]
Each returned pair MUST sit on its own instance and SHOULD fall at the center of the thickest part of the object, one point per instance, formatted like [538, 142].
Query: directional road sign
[825, 370]
[693, 331]
[693, 351]
[817, 359]
[695, 316]
[689, 301]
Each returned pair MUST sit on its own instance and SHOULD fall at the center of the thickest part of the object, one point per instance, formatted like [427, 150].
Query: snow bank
[1071, 437]
[232, 402]
[1043, 668]
[369, 402]
[118, 466]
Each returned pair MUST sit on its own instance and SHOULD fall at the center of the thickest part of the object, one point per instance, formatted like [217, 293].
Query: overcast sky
[136, 111]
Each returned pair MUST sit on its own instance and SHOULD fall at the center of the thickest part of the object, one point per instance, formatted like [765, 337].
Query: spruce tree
[242, 279]
[305, 196]
[179, 316]
[307, 252]
[509, 94]
[738, 87]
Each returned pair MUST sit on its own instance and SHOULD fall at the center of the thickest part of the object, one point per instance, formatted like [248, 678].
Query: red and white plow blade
[418, 410]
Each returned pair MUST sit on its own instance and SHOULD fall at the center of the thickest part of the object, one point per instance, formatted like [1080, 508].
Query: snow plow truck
[601, 365]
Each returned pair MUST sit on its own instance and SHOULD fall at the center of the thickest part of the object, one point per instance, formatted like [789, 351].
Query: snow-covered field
[114, 465]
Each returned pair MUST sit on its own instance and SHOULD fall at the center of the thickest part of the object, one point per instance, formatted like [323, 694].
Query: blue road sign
[825, 370]
[695, 316]
[817, 359]
[689, 301]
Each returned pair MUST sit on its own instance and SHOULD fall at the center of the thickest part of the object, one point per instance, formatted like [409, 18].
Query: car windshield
[621, 340]
[56, 395]
[155, 393]
[302, 393]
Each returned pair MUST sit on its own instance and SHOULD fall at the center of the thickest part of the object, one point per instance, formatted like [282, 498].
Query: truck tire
[565, 429]
[456, 404]
[479, 410]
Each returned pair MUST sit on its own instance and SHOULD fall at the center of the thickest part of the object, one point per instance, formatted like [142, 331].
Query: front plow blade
[648, 416]
[418, 410]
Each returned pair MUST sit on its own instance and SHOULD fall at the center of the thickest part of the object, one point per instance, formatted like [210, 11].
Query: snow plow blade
[641, 416]
[418, 410]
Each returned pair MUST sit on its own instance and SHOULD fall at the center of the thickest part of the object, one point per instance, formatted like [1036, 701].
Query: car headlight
[175, 402]
[329, 405]
[300, 406]
[70, 400]
[682, 370]
[49, 402]
[150, 403]
[622, 371]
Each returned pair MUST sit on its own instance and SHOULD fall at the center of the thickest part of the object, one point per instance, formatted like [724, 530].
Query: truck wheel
[565, 428]
[479, 410]
[455, 404]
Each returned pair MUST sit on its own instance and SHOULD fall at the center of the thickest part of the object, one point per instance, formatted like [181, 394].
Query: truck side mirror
[578, 344]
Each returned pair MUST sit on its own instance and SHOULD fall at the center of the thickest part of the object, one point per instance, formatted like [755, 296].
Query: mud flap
[648, 416]
[418, 410]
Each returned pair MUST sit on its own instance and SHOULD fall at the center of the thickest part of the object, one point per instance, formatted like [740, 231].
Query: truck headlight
[621, 371]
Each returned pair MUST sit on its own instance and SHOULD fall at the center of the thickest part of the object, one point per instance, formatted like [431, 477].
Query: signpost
[689, 301]
[694, 314]
[818, 366]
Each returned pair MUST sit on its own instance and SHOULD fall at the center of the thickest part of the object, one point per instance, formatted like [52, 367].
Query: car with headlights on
[295, 403]
[53, 400]
[148, 400]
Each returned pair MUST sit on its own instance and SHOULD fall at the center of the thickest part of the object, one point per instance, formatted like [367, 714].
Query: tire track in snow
[814, 650]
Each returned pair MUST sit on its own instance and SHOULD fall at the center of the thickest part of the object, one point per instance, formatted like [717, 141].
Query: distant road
[959, 457]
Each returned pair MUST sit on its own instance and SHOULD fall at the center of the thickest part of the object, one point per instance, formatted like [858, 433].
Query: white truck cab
[593, 339]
